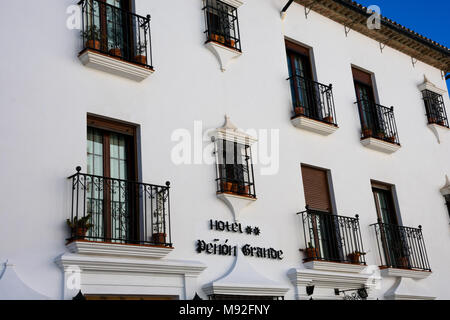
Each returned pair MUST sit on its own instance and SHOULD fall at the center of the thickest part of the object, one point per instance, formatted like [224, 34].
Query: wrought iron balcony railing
[377, 121]
[119, 211]
[222, 24]
[116, 32]
[234, 169]
[333, 238]
[401, 247]
[312, 99]
[435, 108]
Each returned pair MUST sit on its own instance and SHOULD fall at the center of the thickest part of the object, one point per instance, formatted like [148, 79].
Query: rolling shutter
[315, 185]
[362, 76]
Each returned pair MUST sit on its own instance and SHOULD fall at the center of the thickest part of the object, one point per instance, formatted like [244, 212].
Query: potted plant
[299, 111]
[311, 252]
[92, 35]
[79, 227]
[141, 50]
[217, 38]
[115, 50]
[328, 119]
[159, 236]
[391, 138]
[227, 186]
[403, 262]
[381, 134]
[230, 43]
[366, 132]
[354, 257]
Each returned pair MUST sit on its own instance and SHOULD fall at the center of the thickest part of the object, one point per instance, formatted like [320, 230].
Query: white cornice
[234, 3]
[428, 85]
[122, 250]
[129, 265]
[230, 132]
[114, 66]
[445, 190]
[380, 145]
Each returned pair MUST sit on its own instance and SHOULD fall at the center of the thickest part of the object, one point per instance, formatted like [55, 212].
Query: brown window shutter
[315, 185]
[362, 76]
[297, 48]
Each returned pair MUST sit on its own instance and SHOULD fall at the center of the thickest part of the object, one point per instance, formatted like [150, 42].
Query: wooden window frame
[109, 125]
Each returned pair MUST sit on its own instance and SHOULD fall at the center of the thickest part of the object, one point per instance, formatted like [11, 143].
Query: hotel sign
[225, 249]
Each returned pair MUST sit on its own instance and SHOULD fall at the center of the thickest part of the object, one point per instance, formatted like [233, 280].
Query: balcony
[115, 40]
[331, 238]
[108, 213]
[378, 127]
[402, 248]
[313, 105]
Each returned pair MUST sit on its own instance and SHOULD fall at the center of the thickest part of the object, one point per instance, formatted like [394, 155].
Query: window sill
[334, 266]
[315, 126]
[117, 249]
[380, 145]
[406, 273]
[116, 66]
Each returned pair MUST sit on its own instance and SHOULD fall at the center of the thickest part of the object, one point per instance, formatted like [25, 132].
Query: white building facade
[95, 125]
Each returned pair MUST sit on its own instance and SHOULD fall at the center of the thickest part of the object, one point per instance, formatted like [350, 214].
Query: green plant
[141, 48]
[91, 33]
[82, 223]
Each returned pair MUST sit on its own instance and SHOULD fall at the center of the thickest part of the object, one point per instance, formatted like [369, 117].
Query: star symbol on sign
[256, 231]
[249, 230]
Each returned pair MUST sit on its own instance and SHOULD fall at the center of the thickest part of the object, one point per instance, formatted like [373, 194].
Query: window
[435, 108]
[222, 24]
[110, 27]
[377, 121]
[235, 169]
[111, 154]
[109, 204]
[309, 98]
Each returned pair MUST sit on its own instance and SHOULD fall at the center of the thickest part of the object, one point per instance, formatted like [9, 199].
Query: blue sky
[429, 18]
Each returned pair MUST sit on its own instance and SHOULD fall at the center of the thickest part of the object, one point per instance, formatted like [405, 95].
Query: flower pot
[216, 37]
[115, 52]
[328, 119]
[227, 186]
[159, 238]
[312, 253]
[80, 232]
[354, 257]
[230, 43]
[391, 139]
[299, 110]
[367, 132]
[403, 263]
[93, 44]
[141, 59]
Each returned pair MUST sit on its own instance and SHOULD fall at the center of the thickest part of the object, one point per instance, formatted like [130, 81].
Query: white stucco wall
[46, 94]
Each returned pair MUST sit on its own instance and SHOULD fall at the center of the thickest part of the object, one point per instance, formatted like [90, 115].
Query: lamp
[309, 290]
[362, 293]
